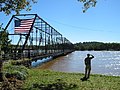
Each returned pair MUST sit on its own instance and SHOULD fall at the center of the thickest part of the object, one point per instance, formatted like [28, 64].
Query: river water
[105, 62]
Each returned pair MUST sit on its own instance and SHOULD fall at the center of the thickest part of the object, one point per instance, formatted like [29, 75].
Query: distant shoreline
[97, 46]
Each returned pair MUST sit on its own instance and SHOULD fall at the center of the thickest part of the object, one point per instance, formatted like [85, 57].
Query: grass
[48, 80]
[38, 79]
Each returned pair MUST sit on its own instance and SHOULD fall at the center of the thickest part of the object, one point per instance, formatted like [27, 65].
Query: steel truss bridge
[32, 37]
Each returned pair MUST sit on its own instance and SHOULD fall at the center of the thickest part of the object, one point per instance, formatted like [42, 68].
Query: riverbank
[39, 79]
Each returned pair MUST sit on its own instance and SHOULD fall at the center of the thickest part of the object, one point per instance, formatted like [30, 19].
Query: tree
[1, 62]
[7, 6]
[4, 47]
[4, 41]
[88, 4]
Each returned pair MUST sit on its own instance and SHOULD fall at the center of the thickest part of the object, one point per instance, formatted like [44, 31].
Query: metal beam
[28, 34]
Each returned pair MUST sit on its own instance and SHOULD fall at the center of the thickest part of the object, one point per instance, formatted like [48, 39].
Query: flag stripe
[23, 26]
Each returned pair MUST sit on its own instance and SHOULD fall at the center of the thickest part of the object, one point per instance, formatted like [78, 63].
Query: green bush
[19, 72]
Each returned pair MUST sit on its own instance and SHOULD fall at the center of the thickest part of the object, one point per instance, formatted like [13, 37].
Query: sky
[100, 23]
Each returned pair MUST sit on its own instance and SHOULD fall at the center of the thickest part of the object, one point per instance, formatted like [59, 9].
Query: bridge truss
[32, 37]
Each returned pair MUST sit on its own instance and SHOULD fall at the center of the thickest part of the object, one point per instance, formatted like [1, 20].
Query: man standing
[87, 66]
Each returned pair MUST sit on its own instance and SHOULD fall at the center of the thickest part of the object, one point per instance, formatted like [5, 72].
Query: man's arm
[91, 56]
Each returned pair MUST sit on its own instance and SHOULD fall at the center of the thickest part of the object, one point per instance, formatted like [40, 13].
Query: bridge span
[32, 37]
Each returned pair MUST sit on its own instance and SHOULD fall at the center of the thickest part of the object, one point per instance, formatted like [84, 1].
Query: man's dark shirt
[88, 60]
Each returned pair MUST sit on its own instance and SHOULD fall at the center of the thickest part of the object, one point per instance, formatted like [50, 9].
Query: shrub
[19, 72]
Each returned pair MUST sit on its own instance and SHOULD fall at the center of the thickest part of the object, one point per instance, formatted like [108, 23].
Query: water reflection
[41, 61]
[105, 62]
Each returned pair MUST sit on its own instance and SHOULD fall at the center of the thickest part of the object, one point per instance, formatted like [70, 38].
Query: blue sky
[101, 23]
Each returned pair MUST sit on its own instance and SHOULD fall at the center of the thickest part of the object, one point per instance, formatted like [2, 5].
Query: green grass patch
[50, 80]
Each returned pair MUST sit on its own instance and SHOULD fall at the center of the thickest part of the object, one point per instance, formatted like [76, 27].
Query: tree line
[97, 46]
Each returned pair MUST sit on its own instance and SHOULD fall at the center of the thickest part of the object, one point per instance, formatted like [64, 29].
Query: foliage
[19, 72]
[7, 6]
[88, 4]
[4, 41]
[97, 46]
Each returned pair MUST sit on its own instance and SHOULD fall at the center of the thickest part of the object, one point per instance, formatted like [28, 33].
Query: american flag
[23, 26]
